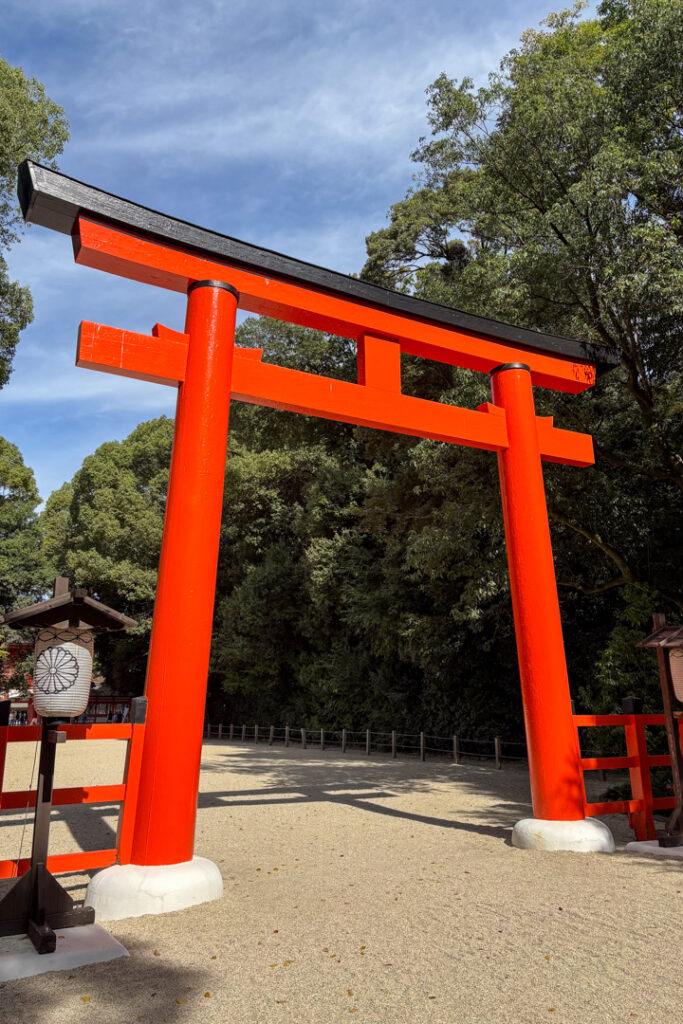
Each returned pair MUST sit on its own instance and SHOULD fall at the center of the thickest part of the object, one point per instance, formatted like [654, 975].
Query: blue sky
[286, 124]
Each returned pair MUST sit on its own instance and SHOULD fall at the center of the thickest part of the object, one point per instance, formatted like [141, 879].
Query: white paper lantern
[62, 672]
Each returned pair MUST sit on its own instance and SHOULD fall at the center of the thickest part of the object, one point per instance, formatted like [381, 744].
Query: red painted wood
[379, 363]
[62, 863]
[138, 258]
[374, 402]
[15, 799]
[132, 355]
[552, 743]
[127, 814]
[181, 630]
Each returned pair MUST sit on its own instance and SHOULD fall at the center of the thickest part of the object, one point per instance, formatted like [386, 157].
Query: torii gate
[218, 274]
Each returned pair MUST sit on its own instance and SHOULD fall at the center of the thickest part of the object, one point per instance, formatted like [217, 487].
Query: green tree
[104, 529]
[551, 198]
[31, 126]
[21, 570]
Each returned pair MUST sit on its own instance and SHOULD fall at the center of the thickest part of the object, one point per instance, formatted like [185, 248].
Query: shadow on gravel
[295, 777]
[139, 987]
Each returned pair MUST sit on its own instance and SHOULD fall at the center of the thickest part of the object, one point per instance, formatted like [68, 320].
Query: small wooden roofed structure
[69, 608]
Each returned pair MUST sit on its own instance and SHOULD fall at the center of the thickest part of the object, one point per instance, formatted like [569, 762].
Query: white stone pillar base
[588, 835]
[651, 848]
[131, 890]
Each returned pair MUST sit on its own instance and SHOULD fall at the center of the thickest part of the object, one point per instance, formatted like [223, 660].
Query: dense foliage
[362, 576]
[33, 127]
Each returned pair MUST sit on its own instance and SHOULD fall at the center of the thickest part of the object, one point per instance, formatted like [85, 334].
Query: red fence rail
[642, 805]
[125, 792]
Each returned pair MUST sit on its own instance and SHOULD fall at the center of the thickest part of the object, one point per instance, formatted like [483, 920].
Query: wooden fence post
[422, 746]
[322, 739]
[456, 750]
[498, 752]
[286, 735]
[271, 735]
[244, 733]
[220, 732]
[393, 743]
[256, 734]
[231, 733]
[303, 739]
[641, 821]
[343, 741]
[367, 741]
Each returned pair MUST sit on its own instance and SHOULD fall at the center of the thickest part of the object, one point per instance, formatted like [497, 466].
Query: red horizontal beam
[62, 863]
[91, 731]
[375, 402]
[591, 764]
[583, 721]
[115, 251]
[159, 360]
[18, 799]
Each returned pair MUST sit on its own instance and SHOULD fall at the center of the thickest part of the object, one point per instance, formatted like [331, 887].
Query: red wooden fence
[125, 792]
[640, 808]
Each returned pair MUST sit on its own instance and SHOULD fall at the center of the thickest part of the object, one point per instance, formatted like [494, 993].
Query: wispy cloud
[288, 124]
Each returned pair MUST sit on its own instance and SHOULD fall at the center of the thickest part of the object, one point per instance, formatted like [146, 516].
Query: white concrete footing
[588, 835]
[76, 947]
[651, 848]
[131, 890]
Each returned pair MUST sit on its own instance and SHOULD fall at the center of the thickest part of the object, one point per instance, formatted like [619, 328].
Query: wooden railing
[641, 806]
[125, 793]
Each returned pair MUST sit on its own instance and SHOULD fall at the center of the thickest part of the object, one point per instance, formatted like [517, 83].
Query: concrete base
[651, 848]
[76, 947]
[588, 835]
[131, 890]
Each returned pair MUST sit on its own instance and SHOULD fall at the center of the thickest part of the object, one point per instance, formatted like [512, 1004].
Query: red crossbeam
[375, 401]
[107, 248]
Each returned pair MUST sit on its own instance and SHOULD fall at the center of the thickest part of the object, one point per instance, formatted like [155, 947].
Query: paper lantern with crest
[63, 672]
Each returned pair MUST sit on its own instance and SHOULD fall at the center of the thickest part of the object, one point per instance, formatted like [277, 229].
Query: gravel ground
[370, 890]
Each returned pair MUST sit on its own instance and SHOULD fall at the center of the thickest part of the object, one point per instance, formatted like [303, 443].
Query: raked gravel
[368, 890]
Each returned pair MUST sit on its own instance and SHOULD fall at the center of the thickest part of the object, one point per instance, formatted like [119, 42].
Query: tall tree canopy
[551, 197]
[31, 126]
[21, 570]
[362, 575]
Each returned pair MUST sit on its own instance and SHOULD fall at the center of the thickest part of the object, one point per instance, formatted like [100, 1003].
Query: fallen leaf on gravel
[273, 965]
[551, 1009]
[157, 953]
[207, 995]
[85, 999]
[215, 957]
[548, 956]
[180, 1002]
[349, 992]
[363, 947]
[280, 1001]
